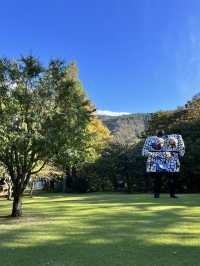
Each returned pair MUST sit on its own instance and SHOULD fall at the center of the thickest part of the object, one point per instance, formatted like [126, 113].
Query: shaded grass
[102, 229]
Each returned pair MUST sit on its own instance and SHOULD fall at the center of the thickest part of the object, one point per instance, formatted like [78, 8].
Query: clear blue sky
[133, 55]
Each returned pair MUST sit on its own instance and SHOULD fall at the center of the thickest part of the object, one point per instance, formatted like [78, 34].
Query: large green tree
[39, 109]
[83, 145]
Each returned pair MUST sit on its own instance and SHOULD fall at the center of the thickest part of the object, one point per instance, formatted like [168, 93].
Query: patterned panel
[163, 153]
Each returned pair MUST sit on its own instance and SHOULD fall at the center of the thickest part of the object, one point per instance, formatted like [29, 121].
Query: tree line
[123, 164]
[47, 120]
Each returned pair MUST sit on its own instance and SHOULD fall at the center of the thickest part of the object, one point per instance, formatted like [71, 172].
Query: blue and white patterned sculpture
[163, 153]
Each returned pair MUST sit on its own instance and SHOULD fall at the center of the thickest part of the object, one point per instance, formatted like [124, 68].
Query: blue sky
[133, 55]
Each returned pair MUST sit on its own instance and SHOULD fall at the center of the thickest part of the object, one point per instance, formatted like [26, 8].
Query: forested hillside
[127, 128]
[122, 163]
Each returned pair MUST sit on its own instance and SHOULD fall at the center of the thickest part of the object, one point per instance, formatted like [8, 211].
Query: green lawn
[102, 230]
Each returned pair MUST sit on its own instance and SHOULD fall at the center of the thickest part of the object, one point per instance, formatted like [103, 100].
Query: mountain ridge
[126, 128]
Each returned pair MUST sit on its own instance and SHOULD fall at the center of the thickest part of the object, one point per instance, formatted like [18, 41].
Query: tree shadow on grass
[97, 249]
[105, 231]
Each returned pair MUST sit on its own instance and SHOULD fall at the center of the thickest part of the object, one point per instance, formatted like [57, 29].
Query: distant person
[162, 152]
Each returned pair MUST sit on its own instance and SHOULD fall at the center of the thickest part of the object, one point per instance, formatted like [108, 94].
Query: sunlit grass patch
[102, 229]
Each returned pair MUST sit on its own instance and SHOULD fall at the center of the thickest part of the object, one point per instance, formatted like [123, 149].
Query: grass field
[102, 230]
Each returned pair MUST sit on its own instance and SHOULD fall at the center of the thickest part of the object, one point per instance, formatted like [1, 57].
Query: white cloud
[110, 113]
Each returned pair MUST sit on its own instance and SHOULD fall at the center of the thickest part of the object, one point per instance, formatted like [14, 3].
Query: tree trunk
[67, 187]
[10, 191]
[31, 189]
[74, 172]
[9, 197]
[17, 206]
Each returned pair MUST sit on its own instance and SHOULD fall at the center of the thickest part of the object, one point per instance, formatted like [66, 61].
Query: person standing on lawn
[163, 152]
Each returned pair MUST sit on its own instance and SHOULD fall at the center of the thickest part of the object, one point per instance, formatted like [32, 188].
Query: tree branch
[35, 172]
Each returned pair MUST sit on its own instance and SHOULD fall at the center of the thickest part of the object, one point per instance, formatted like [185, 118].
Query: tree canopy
[40, 110]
